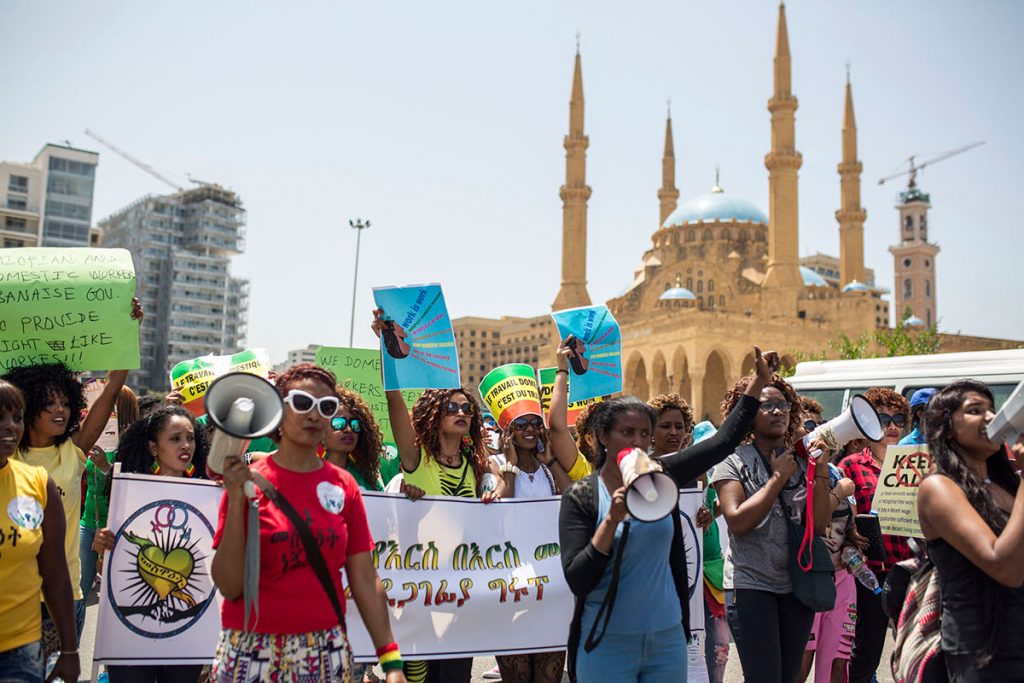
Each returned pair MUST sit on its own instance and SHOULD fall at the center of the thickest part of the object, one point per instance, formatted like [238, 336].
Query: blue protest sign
[596, 366]
[417, 343]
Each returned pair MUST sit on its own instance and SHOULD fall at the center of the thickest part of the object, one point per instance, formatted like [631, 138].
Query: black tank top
[966, 619]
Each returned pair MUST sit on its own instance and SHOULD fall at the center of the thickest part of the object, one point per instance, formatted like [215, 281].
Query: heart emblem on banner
[164, 572]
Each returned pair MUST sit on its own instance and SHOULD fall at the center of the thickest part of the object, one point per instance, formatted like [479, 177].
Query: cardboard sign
[417, 346]
[597, 368]
[109, 438]
[546, 377]
[70, 306]
[896, 496]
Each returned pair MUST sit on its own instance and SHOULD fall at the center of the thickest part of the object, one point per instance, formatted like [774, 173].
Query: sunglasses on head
[339, 424]
[811, 425]
[770, 406]
[521, 423]
[454, 408]
[898, 420]
[302, 402]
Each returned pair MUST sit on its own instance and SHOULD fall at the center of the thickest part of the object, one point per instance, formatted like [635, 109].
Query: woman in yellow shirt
[31, 560]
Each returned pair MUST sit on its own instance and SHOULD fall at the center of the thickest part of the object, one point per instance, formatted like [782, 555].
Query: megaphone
[1009, 421]
[651, 494]
[858, 421]
[242, 407]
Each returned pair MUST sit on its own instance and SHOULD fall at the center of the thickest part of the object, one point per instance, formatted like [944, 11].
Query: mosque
[721, 275]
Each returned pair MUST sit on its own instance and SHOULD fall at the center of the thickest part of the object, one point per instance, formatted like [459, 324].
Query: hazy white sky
[442, 122]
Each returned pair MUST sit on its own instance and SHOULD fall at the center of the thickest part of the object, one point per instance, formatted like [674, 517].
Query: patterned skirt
[314, 657]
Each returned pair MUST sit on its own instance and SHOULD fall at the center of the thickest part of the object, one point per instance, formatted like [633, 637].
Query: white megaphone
[858, 421]
[1009, 422]
[650, 493]
[242, 407]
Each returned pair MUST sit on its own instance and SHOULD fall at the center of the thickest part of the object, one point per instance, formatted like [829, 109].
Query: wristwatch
[506, 469]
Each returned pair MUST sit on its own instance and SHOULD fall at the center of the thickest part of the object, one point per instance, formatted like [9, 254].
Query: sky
[442, 123]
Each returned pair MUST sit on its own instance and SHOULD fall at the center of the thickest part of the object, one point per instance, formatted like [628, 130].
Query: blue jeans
[23, 664]
[657, 657]
[716, 645]
[88, 559]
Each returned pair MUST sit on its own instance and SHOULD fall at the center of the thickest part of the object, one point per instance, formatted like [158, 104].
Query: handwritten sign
[417, 344]
[359, 370]
[896, 496]
[70, 306]
[191, 378]
[596, 369]
[547, 388]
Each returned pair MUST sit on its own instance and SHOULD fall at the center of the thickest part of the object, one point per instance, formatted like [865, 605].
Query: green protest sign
[71, 306]
[359, 370]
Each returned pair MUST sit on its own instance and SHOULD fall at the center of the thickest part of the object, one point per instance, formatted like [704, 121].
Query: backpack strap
[313, 554]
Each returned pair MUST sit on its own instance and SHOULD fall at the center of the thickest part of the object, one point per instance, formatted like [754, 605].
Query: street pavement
[480, 664]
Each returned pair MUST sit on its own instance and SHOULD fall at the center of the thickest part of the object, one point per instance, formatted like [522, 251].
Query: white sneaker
[492, 675]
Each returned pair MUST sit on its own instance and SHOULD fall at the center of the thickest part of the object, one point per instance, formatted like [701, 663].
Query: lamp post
[359, 226]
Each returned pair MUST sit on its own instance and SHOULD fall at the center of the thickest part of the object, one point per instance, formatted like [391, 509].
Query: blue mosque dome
[715, 206]
[677, 294]
[812, 278]
[855, 287]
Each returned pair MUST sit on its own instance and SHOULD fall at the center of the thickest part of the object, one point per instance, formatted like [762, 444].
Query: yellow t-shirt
[22, 502]
[65, 466]
[438, 480]
[580, 468]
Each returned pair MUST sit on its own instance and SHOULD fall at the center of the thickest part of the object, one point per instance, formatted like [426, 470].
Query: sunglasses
[897, 420]
[301, 402]
[339, 424]
[521, 423]
[770, 406]
[811, 425]
[490, 424]
[454, 408]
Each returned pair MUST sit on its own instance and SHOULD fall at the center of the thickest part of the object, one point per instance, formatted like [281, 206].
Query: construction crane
[914, 168]
[141, 164]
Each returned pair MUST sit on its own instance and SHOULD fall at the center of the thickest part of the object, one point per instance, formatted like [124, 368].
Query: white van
[833, 382]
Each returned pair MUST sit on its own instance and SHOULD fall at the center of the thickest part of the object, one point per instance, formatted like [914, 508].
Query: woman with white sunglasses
[294, 633]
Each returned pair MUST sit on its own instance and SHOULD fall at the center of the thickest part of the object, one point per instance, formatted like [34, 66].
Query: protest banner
[158, 604]
[895, 498]
[360, 371]
[109, 437]
[597, 368]
[70, 306]
[417, 344]
[191, 378]
[546, 380]
[510, 391]
[466, 579]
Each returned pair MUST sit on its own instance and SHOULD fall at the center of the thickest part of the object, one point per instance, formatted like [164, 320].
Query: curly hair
[809, 405]
[884, 397]
[370, 444]
[584, 424]
[38, 383]
[604, 421]
[11, 397]
[427, 413]
[950, 462]
[133, 449]
[733, 396]
[663, 402]
[297, 373]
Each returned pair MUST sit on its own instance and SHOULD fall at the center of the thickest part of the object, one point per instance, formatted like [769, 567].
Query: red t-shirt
[291, 599]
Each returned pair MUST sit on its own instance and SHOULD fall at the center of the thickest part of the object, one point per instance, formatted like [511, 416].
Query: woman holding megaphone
[629, 576]
[762, 489]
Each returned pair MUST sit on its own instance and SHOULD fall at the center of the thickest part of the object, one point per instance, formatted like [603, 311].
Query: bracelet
[390, 658]
[68, 652]
[384, 649]
[560, 370]
[819, 476]
[509, 469]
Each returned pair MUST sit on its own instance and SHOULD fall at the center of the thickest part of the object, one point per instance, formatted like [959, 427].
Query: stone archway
[747, 365]
[681, 382]
[713, 387]
[659, 375]
[636, 377]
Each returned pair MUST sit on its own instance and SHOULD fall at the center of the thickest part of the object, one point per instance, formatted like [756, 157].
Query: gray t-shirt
[759, 560]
